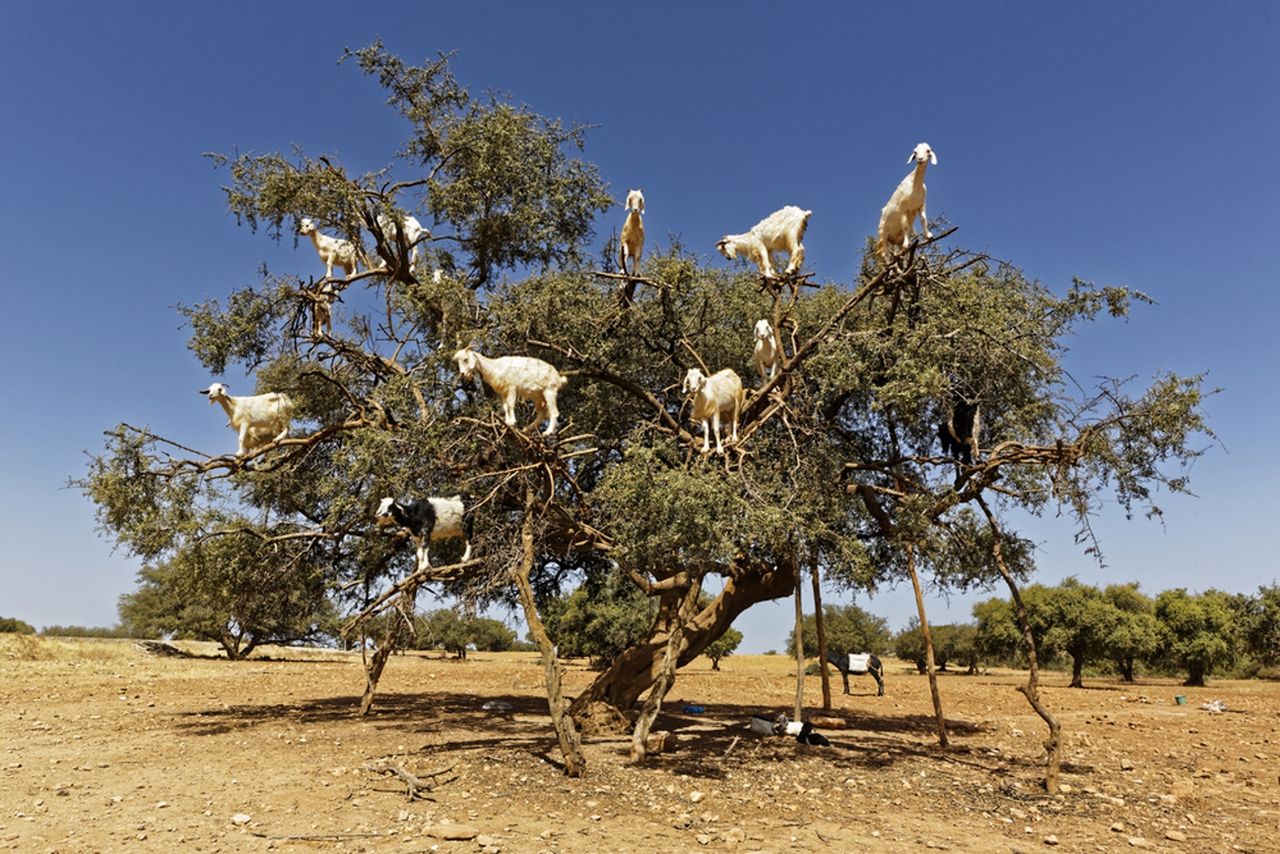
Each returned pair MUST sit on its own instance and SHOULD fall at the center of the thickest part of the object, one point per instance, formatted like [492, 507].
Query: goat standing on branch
[409, 226]
[714, 397]
[897, 218]
[766, 355]
[632, 243]
[516, 378]
[259, 419]
[430, 519]
[333, 251]
[781, 231]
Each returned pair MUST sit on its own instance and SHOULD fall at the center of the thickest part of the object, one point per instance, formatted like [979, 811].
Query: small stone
[1118, 827]
[240, 819]
[1175, 835]
[696, 797]
[403, 815]
[1065, 788]
[1139, 842]
[452, 832]
[1051, 840]
[486, 841]
[703, 839]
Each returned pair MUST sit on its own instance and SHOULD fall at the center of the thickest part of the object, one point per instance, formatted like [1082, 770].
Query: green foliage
[599, 619]
[723, 647]
[453, 632]
[952, 644]
[12, 625]
[846, 473]
[83, 631]
[1136, 634]
[234, 589]
[848, 629]
[1198, 632]
[1259, 618]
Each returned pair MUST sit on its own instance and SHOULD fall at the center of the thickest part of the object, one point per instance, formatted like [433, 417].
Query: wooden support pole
[799, 710]
[820, 622]
[943, 741]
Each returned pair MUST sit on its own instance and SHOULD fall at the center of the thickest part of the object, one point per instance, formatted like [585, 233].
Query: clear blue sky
[1126, 143]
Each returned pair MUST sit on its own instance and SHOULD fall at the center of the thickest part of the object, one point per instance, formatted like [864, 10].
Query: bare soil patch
[104, 747]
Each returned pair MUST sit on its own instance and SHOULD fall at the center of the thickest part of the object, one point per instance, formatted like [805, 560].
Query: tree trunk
[637, 668]
[943, 741]
[799, 633]
[1195, 676]
[373, 669]
[820, 623]
[666, 675]
[1053, 744]
[1125, 666]
[566, 733]
[1077, 671]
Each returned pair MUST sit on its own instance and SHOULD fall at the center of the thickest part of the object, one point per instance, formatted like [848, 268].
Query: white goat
[516, 377]
[333, 251]
[414, 233]
[781, 231]
[322, 310]
[713, 397]
[766, 352]
[631, 244]
[898, 217]
[260, 419]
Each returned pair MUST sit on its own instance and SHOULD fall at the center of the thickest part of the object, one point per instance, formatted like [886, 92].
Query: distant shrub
[85, 631]
[15, 626]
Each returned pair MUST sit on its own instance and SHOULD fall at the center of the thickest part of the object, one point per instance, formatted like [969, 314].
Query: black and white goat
[858, 664]
[961, 433]
[430, 519]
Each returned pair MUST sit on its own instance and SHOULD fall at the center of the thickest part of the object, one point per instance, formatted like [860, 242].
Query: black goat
[873, 666]
[808, 735]
[962, 431]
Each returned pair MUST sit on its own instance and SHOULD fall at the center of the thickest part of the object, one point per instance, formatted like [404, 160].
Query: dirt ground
[104, 747]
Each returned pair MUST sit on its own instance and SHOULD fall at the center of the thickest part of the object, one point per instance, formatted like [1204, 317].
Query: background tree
[236, 590]
[1198, 632]
[849, 629]
[83, 631]
[723, 647]
[455, 633]
[1079, 622]
[1259, 618]
[952, 643]
[15, 626]
[600, 619]
[1136, 634]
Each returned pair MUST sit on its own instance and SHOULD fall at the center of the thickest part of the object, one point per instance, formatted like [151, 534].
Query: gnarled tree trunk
[1053, 744]
[575, 763]
[636, 669]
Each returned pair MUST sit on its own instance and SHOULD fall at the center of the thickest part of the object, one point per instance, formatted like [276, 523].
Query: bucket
[1180, 700]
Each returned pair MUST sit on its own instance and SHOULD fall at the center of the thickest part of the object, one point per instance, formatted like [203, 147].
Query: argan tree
[836, 465]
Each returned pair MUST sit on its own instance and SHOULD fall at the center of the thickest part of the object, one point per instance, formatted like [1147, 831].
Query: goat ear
[933, 158]
[911, 158]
